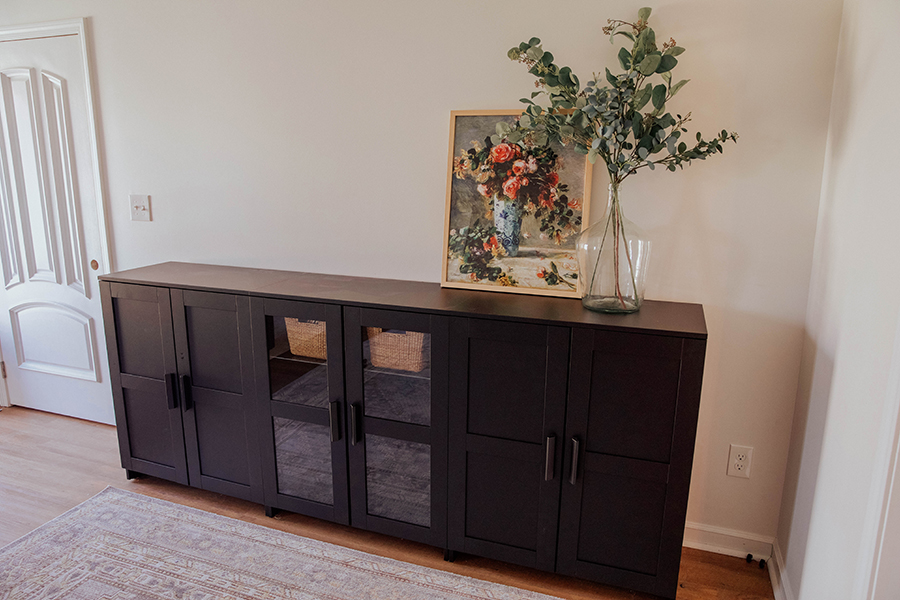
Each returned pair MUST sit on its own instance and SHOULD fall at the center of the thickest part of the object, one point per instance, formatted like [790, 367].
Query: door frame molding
[66, 28]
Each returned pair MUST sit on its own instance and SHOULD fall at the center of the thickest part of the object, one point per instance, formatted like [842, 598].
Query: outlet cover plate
[739, 458]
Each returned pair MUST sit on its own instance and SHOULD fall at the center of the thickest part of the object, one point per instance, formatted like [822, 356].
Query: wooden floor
[49, 464]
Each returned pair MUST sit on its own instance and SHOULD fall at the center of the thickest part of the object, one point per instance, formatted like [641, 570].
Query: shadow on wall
[817, 362]
[807, 439]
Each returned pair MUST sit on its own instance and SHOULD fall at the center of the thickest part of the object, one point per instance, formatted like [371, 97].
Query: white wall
[847, 402]
[313, 136]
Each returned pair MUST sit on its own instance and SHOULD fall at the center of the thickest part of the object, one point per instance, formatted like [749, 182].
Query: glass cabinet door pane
[397, 375]
[398, 480]
[303, 460]
[298, 369]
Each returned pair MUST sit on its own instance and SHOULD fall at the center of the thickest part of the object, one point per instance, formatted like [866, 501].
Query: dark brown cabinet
[507, 420]
[183, 386]
[630, 426]
[519, 428]
[300, 375]
[396, 373]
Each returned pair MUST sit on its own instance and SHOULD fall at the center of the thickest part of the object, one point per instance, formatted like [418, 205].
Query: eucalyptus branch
[604, 119]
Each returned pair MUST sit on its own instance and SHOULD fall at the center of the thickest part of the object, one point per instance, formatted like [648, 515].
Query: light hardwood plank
[50, 463]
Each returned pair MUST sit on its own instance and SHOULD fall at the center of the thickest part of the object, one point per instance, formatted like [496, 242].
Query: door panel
[398, 480]
[215, 367]
[300, 391]
[634, 393]
[503, 492]
[397, 407]
[507, 410]
[303, 460]
[142, 361]
[623, 509]
[51, 226]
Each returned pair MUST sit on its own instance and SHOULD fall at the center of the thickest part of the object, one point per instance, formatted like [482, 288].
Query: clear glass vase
[612, 261]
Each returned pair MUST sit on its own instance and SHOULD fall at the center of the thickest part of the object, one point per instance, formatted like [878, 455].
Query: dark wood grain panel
[654, 316]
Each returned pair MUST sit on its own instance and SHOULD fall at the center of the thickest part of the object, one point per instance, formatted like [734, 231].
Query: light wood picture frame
[513, 211]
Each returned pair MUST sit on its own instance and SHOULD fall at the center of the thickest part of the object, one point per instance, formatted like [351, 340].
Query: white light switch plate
[140, 207]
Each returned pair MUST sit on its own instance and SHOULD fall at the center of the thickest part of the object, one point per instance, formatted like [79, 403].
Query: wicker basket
[401, 351]
[306, 338]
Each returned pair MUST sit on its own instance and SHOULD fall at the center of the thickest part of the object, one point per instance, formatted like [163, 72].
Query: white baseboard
[727, 541]
[778, 575]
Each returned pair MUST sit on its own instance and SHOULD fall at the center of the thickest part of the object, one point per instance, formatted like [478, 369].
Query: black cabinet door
[630, 426]
[298, 362]
[507, 410]
[396, 366]
[140, 341]
[217, 389]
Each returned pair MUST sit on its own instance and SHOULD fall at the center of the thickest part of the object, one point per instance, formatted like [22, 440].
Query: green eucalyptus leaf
[642, 97]
[546, 59]
[666, 63]
[513, 53]
[674, 51]
[592, 156]
[525, 101]
[678, 86]
[496, 139]
[643, 153]
[534, 53]
[625, 58]
[524, 46]
[515, 136]
[650, 63]
[534, 42]
[596, 143]
[538, 93]
[502, 128]
[659, 96]
[581, 102]
[611, 78]
[540, 138]
[566, 131]
[551, 81]
[637, 125]
[682, 147]
[667, 77]
[525, 121]
[671, 145]
[625, 33]
[644, 13]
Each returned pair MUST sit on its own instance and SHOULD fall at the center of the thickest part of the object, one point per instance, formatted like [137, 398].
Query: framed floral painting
[514, 208]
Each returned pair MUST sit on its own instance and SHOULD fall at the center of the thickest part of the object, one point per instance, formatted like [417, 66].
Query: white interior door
[53, 240]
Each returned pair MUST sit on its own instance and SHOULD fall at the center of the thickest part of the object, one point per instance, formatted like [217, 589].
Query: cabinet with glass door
[397, 413]
[299, 367]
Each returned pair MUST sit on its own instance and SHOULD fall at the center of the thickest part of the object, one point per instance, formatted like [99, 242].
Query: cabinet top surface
[654, 316]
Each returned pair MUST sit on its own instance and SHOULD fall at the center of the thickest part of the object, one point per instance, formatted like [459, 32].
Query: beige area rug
[119, 545]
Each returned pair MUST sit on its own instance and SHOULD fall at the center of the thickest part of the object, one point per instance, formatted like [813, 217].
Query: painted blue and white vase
[508, 221]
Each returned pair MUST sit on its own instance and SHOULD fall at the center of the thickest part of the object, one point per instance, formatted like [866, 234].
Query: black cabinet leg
[129, 474]
[449, 555]
[271, 511]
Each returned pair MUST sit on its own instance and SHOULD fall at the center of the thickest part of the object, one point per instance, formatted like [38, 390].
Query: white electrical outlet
[739, 461]
[140, 207]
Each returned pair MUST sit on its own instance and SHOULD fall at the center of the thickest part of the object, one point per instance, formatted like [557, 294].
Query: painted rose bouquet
[520, 178]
